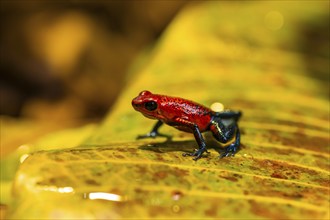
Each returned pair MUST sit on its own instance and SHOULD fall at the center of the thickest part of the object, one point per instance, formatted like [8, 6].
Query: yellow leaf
[243, 57]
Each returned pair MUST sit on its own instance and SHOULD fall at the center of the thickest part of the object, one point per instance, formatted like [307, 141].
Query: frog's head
[148, 104]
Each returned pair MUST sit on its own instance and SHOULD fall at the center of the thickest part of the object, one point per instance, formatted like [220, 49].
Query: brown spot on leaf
[281, 167]
[229, 177]
[306, 142]
[92, 182]
[128, 149]
[202, 170]
[161, 174]
[278, 175]
[212, 211]
[52, 181]
[179, 172]
[264, 211]
[283, 151]
[238, 175]
[323, 182]
[118, 156]
[160, 157]
[322, 162]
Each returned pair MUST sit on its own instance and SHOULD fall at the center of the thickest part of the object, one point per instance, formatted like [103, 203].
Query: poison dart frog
[192, 117]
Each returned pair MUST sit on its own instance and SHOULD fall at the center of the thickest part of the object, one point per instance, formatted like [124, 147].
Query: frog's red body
[172, 108]
[188, 116]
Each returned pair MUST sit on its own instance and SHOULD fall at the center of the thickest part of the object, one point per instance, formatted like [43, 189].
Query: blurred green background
[68, 60]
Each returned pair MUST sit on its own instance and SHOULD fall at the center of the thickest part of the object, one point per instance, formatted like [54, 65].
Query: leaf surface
[208, 54]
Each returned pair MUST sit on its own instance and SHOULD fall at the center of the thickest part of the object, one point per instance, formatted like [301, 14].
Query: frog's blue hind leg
[224, 127]
[233, 147]
[227, 114]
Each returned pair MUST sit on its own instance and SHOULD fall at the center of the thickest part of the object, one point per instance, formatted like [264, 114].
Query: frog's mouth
[138, 107]
[148, 116]
[156, 115]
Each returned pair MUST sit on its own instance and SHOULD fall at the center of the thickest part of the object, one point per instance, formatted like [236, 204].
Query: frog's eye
[150, 106]
[145, 92]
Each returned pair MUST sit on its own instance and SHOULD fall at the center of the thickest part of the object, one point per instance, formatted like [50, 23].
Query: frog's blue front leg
[154, 132]
[198, 137]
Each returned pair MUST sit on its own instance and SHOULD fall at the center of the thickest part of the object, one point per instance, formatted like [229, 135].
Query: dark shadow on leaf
[185, 146]
[170, 146]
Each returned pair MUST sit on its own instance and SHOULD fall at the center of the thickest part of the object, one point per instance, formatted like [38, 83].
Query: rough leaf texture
[208, 54]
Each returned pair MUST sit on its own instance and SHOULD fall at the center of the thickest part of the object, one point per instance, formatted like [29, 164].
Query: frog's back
[173, 107]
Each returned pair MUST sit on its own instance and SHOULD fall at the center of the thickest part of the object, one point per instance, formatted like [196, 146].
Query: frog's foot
[148, 135]
[230, 150]
[197, 154]
[153, 134]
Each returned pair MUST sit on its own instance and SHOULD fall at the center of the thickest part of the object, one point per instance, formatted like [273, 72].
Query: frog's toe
[192, 154]
[229, 151]
[196, 154]
[145, 136]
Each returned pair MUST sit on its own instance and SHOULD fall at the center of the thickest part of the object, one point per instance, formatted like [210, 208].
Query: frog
[192, 117]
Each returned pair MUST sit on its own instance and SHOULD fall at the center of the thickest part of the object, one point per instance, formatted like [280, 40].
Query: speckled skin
[170, 109]
[189, 116]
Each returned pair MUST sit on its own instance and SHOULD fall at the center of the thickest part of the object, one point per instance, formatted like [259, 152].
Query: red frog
[191, 117]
